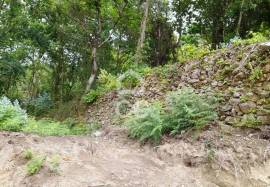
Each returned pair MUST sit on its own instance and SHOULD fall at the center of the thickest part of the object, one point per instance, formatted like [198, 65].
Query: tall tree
[138, 55]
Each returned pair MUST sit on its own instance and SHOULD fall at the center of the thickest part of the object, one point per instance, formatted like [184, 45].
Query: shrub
[130, 79]
[256, 74]
[54, 164]
[144, 121]
[40, 105]
[108, 81]
[190, 51]
[52, 128]
[91, 97]
[254, 37]
[12, 116]
[249, 120]
[72, 108]
[34, 165]
[28, 154]
[186, 109]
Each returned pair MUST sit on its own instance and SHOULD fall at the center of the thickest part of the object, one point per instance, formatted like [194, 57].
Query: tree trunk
[140, 45]
[240, 18]
[93, 76]
[97, 45]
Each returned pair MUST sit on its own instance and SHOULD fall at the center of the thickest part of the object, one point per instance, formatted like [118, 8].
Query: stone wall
[238, 76]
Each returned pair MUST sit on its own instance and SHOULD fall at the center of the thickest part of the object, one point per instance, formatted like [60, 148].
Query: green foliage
[186, 109]
[244, 98]
[34, 165]
[254, 37]
[11, 70]
[190, 52]
[108, 81]
[28, 154]
[94, 126]
[256, 74]
[144, 121]
[54, 164]
[40, 105]
[12, 116]
[91, 96]
[249, 120]
[52, 128]
[130, 79]
[71, 109]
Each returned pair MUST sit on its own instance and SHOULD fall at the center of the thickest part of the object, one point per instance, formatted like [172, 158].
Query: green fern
[186, 109]
[145, 121]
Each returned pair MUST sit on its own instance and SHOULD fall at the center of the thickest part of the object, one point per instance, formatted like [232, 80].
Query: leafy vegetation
[190, 52]
[54, 47]
[254, 37]
[183, 109]
[40, 105]
[145, 121]
[187, 109]
[249, 120]
[129, 79]
[13, 118]
[56, 54]
[54, 164]
[51, 128]
[28, 154]
[91, 96]
[256, 74]
[35, 164]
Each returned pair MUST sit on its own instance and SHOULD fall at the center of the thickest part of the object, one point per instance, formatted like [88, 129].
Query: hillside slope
[238, 76]
[239, 159]
[223, 154]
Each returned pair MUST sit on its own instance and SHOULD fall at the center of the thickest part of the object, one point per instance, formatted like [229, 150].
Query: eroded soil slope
[216, 157]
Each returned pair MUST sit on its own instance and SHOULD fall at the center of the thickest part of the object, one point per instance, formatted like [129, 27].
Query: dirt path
[116, 161]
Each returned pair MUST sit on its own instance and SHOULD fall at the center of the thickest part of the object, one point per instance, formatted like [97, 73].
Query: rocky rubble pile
[238, 76]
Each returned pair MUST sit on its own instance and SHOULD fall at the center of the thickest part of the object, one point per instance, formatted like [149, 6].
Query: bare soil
[216, 157]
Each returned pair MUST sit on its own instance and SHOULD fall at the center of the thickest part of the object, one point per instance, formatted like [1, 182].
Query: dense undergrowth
[14, 118]
[131, 78]
[146, 121]
[183, 109]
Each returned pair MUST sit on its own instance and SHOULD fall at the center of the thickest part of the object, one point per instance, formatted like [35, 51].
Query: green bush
[54, 164]
[91, 97]
[34, 165]
[130, 79]
[51, 128]
[183, 109]
[12, 116]
[40, 105]
[254, 37]
[144, 121]
[28, 154]
[108, 81]
[256, 74]
[190, 52]
[186, 109]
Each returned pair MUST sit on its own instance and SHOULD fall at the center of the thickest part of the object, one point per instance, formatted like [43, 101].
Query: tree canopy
[59, 47]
